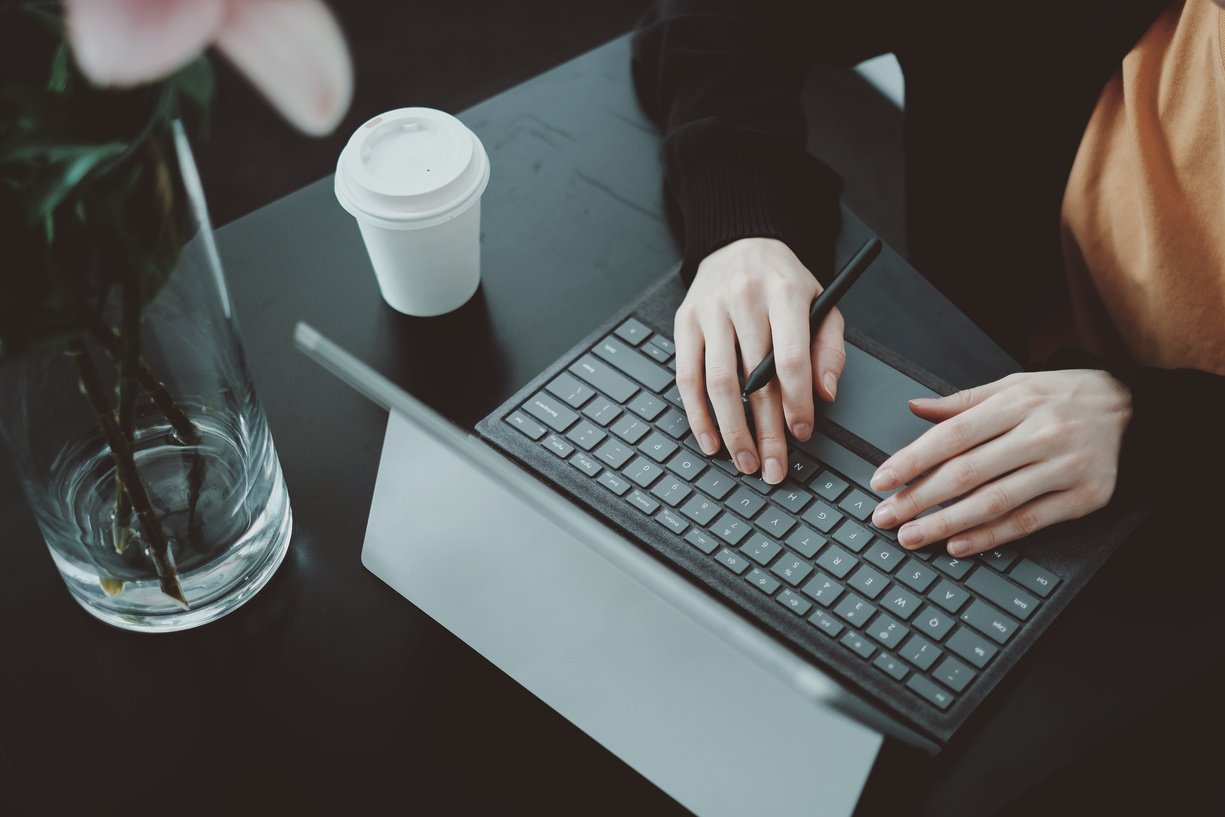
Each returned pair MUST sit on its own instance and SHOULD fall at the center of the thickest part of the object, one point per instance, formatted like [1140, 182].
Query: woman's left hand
[1023, 453]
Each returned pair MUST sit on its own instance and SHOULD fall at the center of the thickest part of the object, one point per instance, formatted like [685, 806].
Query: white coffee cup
[413, 179]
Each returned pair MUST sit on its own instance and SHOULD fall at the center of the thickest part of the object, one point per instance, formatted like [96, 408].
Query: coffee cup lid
[411, 168]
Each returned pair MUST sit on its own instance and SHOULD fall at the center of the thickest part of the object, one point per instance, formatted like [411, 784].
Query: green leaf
[61, 69]
[56, 182]
[195, 82]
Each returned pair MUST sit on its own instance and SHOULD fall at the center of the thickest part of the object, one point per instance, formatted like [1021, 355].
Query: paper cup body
[413, 179]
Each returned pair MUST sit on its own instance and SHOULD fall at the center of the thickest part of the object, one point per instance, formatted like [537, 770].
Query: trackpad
[871, 402]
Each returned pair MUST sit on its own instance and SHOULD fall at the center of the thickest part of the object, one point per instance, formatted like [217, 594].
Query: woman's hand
[754, 294]
[1024, 452]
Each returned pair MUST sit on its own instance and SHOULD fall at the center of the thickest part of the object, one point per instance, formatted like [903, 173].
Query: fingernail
[910, 535]
[885, 516]
[831, 384]
[959, 547]
[746, 462]
[709, 446]
[802, 431]
[921, 401]
[773, 471]
[883, 479]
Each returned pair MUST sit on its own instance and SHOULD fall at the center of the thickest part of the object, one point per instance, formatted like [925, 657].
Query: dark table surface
[328, 690]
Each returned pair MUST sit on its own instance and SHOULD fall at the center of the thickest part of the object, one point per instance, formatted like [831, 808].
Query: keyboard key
[614, 454]
[822, 517]
[762, 580]
[900, 602]
[884, 555]
[792, 498]
[700, 509]
[857, 643]
[999, 591]
[686, 466]
[633, 332]
[774, 522]
[730, 528]
[646, 405]
[953, 674]
[633, 363]
[971, 646]
[601, 411]
[858, 504]
[673, 396]
[920, 652]
[1000, 558]
[745, 502]
[829, 485]
[989, 621]
[570, 389]
[1034, 577]
[655, 353]
[604, 378]
[558, 446]
[657, 447]
[761, 549]
[822, 589]
[891, 666]
[758, 484]
[664, 343]
[673, 423]
[732, 561]
[614, 482]
[552, 412]
[791, 569]
[794, 602]
[642, 502]
[671, 521]
[586, 435]
[949, 596]
[957, 568]
[933, 623]
[826, 623]
[802, 468]
[806, 541]
[702, 540]
[630, 428]
[586, 464]
[916, 575]
[716, 483]
[643, 471]
[888, 630]
[671, 491]
[869, 581]
[852, 535]
[855, 610]
[528, 426]
[836, 561]
[930, 692]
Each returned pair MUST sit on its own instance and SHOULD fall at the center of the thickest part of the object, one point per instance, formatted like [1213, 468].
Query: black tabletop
[328, 690]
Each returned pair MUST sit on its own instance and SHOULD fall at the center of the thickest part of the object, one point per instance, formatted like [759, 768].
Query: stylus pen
[826, 301]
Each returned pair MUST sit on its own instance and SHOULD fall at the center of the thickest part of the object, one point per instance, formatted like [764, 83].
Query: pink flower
[291, 50]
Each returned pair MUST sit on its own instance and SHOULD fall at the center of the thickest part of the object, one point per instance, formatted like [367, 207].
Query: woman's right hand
[754, 295]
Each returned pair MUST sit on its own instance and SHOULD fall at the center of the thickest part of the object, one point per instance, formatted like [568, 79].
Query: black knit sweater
[997, 99]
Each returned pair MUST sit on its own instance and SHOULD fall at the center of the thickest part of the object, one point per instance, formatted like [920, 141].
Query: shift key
[601, 375]
[999, 591]
[633, 363]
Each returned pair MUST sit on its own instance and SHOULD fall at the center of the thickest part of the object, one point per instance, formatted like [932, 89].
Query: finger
[690, 360]
[975, 426]
[955, 478]
[941, 408]
[753, 336]
[793, 362]
[829, 354]
[1043, 512]
[990, 502]
[723, 385]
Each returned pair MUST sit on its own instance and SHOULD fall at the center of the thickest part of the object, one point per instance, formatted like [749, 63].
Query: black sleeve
[1177, 430]
[723, 79]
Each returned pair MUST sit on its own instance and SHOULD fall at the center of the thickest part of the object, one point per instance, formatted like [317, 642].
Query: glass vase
[209, 522]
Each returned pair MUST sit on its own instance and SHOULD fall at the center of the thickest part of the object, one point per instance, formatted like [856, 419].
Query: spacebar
[840, 459]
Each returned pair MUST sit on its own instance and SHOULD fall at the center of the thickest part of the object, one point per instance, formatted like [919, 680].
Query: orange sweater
[1144, 209]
